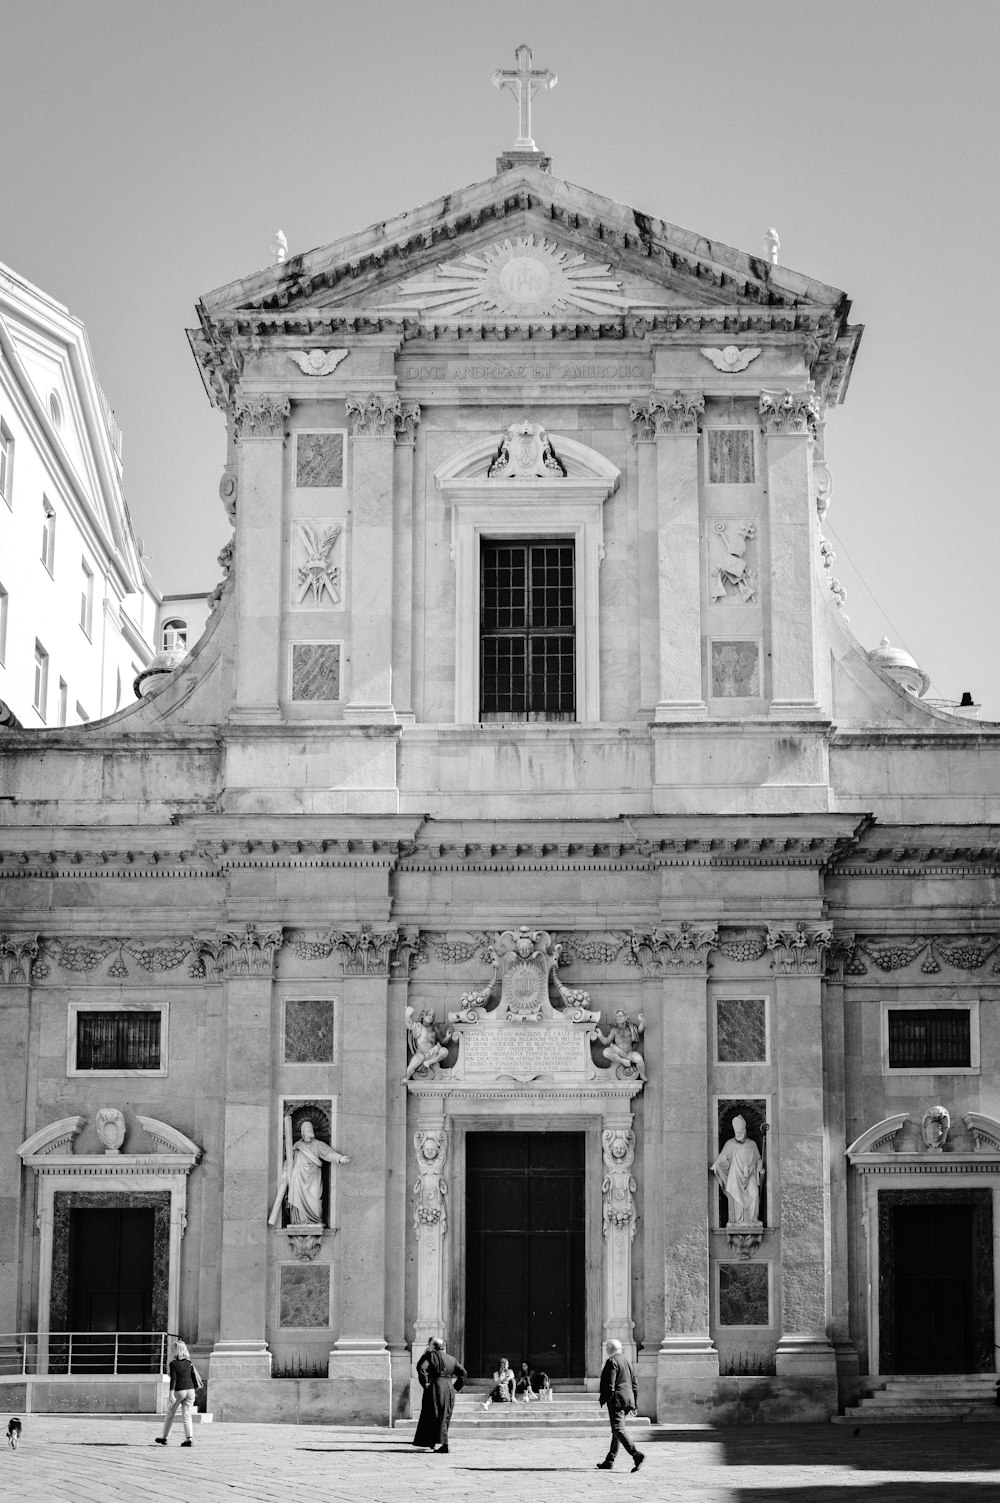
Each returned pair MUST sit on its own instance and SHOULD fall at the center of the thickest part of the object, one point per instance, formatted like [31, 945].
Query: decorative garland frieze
[260, 416]
[790, 412]
[375, 415]
[799, 949]
[957, 952]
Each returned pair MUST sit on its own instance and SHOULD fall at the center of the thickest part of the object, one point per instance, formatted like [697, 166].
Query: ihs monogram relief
[317, 568]
[524, 277]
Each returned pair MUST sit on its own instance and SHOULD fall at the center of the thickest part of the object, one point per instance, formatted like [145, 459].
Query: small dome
[159, 669]
[900, 667]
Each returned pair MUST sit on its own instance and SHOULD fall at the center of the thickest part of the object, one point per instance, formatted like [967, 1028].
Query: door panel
[934, 1288]
[111, 1282]
[525, 1279]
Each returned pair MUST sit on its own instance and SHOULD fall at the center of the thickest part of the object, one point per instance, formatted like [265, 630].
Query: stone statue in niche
[428, 1040]
[621, 1044]
[110, 1128]
[730, 568]
[739, 1170]
[935, 1126]
[301, 1183]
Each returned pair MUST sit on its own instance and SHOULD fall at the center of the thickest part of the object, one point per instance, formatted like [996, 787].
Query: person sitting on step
[503, 1385]
[524, 1384]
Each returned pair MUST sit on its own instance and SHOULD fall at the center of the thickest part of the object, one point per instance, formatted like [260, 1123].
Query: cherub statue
[622, 1040]
[429, 1043]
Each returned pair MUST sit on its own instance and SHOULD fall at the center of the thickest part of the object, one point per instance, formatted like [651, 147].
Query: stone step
[958, 1414]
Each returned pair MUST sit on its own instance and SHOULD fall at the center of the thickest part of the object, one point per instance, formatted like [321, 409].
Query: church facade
[526, 835]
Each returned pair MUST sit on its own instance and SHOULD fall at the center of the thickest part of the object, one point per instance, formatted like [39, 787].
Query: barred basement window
[118, 1040]
[527, 645]
[938, 1039]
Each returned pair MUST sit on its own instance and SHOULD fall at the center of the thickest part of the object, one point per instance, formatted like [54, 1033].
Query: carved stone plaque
[524, 1053]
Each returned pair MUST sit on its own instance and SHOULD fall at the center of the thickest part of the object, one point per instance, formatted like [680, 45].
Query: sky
[150, 150]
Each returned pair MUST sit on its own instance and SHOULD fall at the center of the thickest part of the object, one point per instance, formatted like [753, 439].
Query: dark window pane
[527, 641]
[118, 1041]
[929, 1039]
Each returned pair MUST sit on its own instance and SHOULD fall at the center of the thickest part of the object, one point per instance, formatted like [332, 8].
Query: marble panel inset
[319, 459]
[730, 456]
[735, 670]
[743, 1294]
[741, 1024]
[316, 670]
[304, 1295]
[308, 1031]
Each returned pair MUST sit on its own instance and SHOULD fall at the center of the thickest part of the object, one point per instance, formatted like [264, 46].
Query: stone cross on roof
[524, 81]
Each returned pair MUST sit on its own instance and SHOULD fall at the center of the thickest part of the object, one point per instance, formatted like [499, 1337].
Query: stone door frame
[58, 1170]
[441, 1252]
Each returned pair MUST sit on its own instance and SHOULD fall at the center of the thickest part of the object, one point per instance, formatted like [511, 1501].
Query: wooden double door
[525, 1296]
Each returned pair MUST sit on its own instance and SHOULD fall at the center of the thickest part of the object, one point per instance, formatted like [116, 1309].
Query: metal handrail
[66, 1353]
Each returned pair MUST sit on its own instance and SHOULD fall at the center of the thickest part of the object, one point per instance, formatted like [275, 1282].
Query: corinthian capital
[260, 416]
[364, 952]
[407, 419]
[682, 951]
[18, 953]
[374, 416]
[243, 952]
[800, 949]
[676, 414]
[789, 411]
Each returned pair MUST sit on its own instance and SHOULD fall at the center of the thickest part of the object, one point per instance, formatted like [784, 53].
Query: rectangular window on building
[48, 535]
[86, 597]
[63, 701]
[4, 603]
[527, 641]
[929, 1038]
[119, 1040]
[6, 464]
[41, 678]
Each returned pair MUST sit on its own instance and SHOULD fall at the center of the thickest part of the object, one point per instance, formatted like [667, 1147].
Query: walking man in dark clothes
[618, 1391]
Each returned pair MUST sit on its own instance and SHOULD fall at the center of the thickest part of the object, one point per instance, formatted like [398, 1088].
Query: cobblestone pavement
[104, 1461]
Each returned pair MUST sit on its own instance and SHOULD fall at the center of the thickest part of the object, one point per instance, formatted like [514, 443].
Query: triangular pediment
[521, 246]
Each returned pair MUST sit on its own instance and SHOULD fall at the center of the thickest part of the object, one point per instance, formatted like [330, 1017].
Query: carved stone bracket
[430, 1214]
[375, 415]
[745, 1242]
[800, 949]
[683, 950]
[788, 412]
[18, 954]
[618, 1187]
[305, 1241]
[657, 415]
[407, 419]
[260, 416]
[364, 952]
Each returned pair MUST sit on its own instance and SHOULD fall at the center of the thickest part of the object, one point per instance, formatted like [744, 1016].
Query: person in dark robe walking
[439, 1375]
[618, 1390]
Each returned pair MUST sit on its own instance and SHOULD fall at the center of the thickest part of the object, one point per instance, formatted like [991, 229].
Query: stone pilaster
[402, 623]
[259, 425]
[643, 418]
[618, 1213]
[18, 955]
[360, 1360]
[835, 1056]
[373, 419]
[687, 1362]
[804, 1350]
[675, 418]
[245, 959]
[789, 422]
[431, 1142]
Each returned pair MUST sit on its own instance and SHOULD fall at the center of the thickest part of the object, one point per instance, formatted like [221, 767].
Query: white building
[77, 607]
